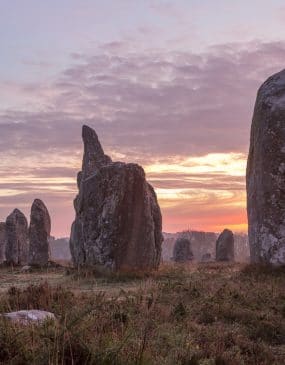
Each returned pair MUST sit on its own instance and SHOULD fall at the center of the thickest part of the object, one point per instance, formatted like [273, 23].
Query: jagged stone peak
[89, 135]
[94, 156]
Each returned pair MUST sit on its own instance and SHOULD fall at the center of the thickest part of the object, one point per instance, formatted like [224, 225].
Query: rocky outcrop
[225, 246]
[182, 250]
[17, 238]
[39, 233]
[2, 241]
[265, 174]
[118, 219]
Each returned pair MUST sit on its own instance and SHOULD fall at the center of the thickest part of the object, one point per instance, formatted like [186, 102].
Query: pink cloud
[148, 107]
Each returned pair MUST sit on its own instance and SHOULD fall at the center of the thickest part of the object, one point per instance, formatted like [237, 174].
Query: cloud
[203, 101]
[150, 107]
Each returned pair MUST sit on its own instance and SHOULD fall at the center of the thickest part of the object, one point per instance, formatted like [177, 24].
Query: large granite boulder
[118, 219]
[39, 233]
[2, 241]
[182, 251]
[265, 176]
[225, 249]
[17, 243]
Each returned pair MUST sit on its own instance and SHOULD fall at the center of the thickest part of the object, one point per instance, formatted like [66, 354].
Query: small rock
[26, 268]
[29, 316]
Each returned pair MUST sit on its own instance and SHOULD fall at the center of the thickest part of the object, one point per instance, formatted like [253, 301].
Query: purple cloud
[147, 107]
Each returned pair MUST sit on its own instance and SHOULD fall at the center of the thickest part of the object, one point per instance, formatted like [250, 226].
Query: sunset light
[179, 103]
[142, 182]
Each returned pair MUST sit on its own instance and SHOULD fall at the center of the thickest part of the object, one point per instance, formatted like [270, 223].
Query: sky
[170, 85]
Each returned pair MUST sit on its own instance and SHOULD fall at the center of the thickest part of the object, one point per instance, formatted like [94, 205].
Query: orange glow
[236, 222]
[210, 194]
[202, 193]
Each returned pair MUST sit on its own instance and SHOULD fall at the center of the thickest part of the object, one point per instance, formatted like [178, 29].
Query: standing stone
[225, 248]
[2, 241]
[118, 220]
[39, 233]
[17, 238]
[265, 177]
[182, 250]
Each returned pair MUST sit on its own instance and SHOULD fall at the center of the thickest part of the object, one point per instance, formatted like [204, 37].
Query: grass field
[199, 314]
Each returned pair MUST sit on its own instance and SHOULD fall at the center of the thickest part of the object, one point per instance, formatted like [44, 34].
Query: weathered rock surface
[17, 238]
[118, 219]
[2, 241]
[241, 248]
[29, 316]
[182, 250]
[225, 250]
[266, 174]
[39, 233]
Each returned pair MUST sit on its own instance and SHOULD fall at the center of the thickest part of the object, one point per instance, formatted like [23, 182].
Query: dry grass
[198, 314]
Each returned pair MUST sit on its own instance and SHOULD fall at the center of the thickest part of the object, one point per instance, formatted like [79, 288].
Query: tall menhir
[118, 219]
[17, 240]
[39, 234]
[265, 177]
